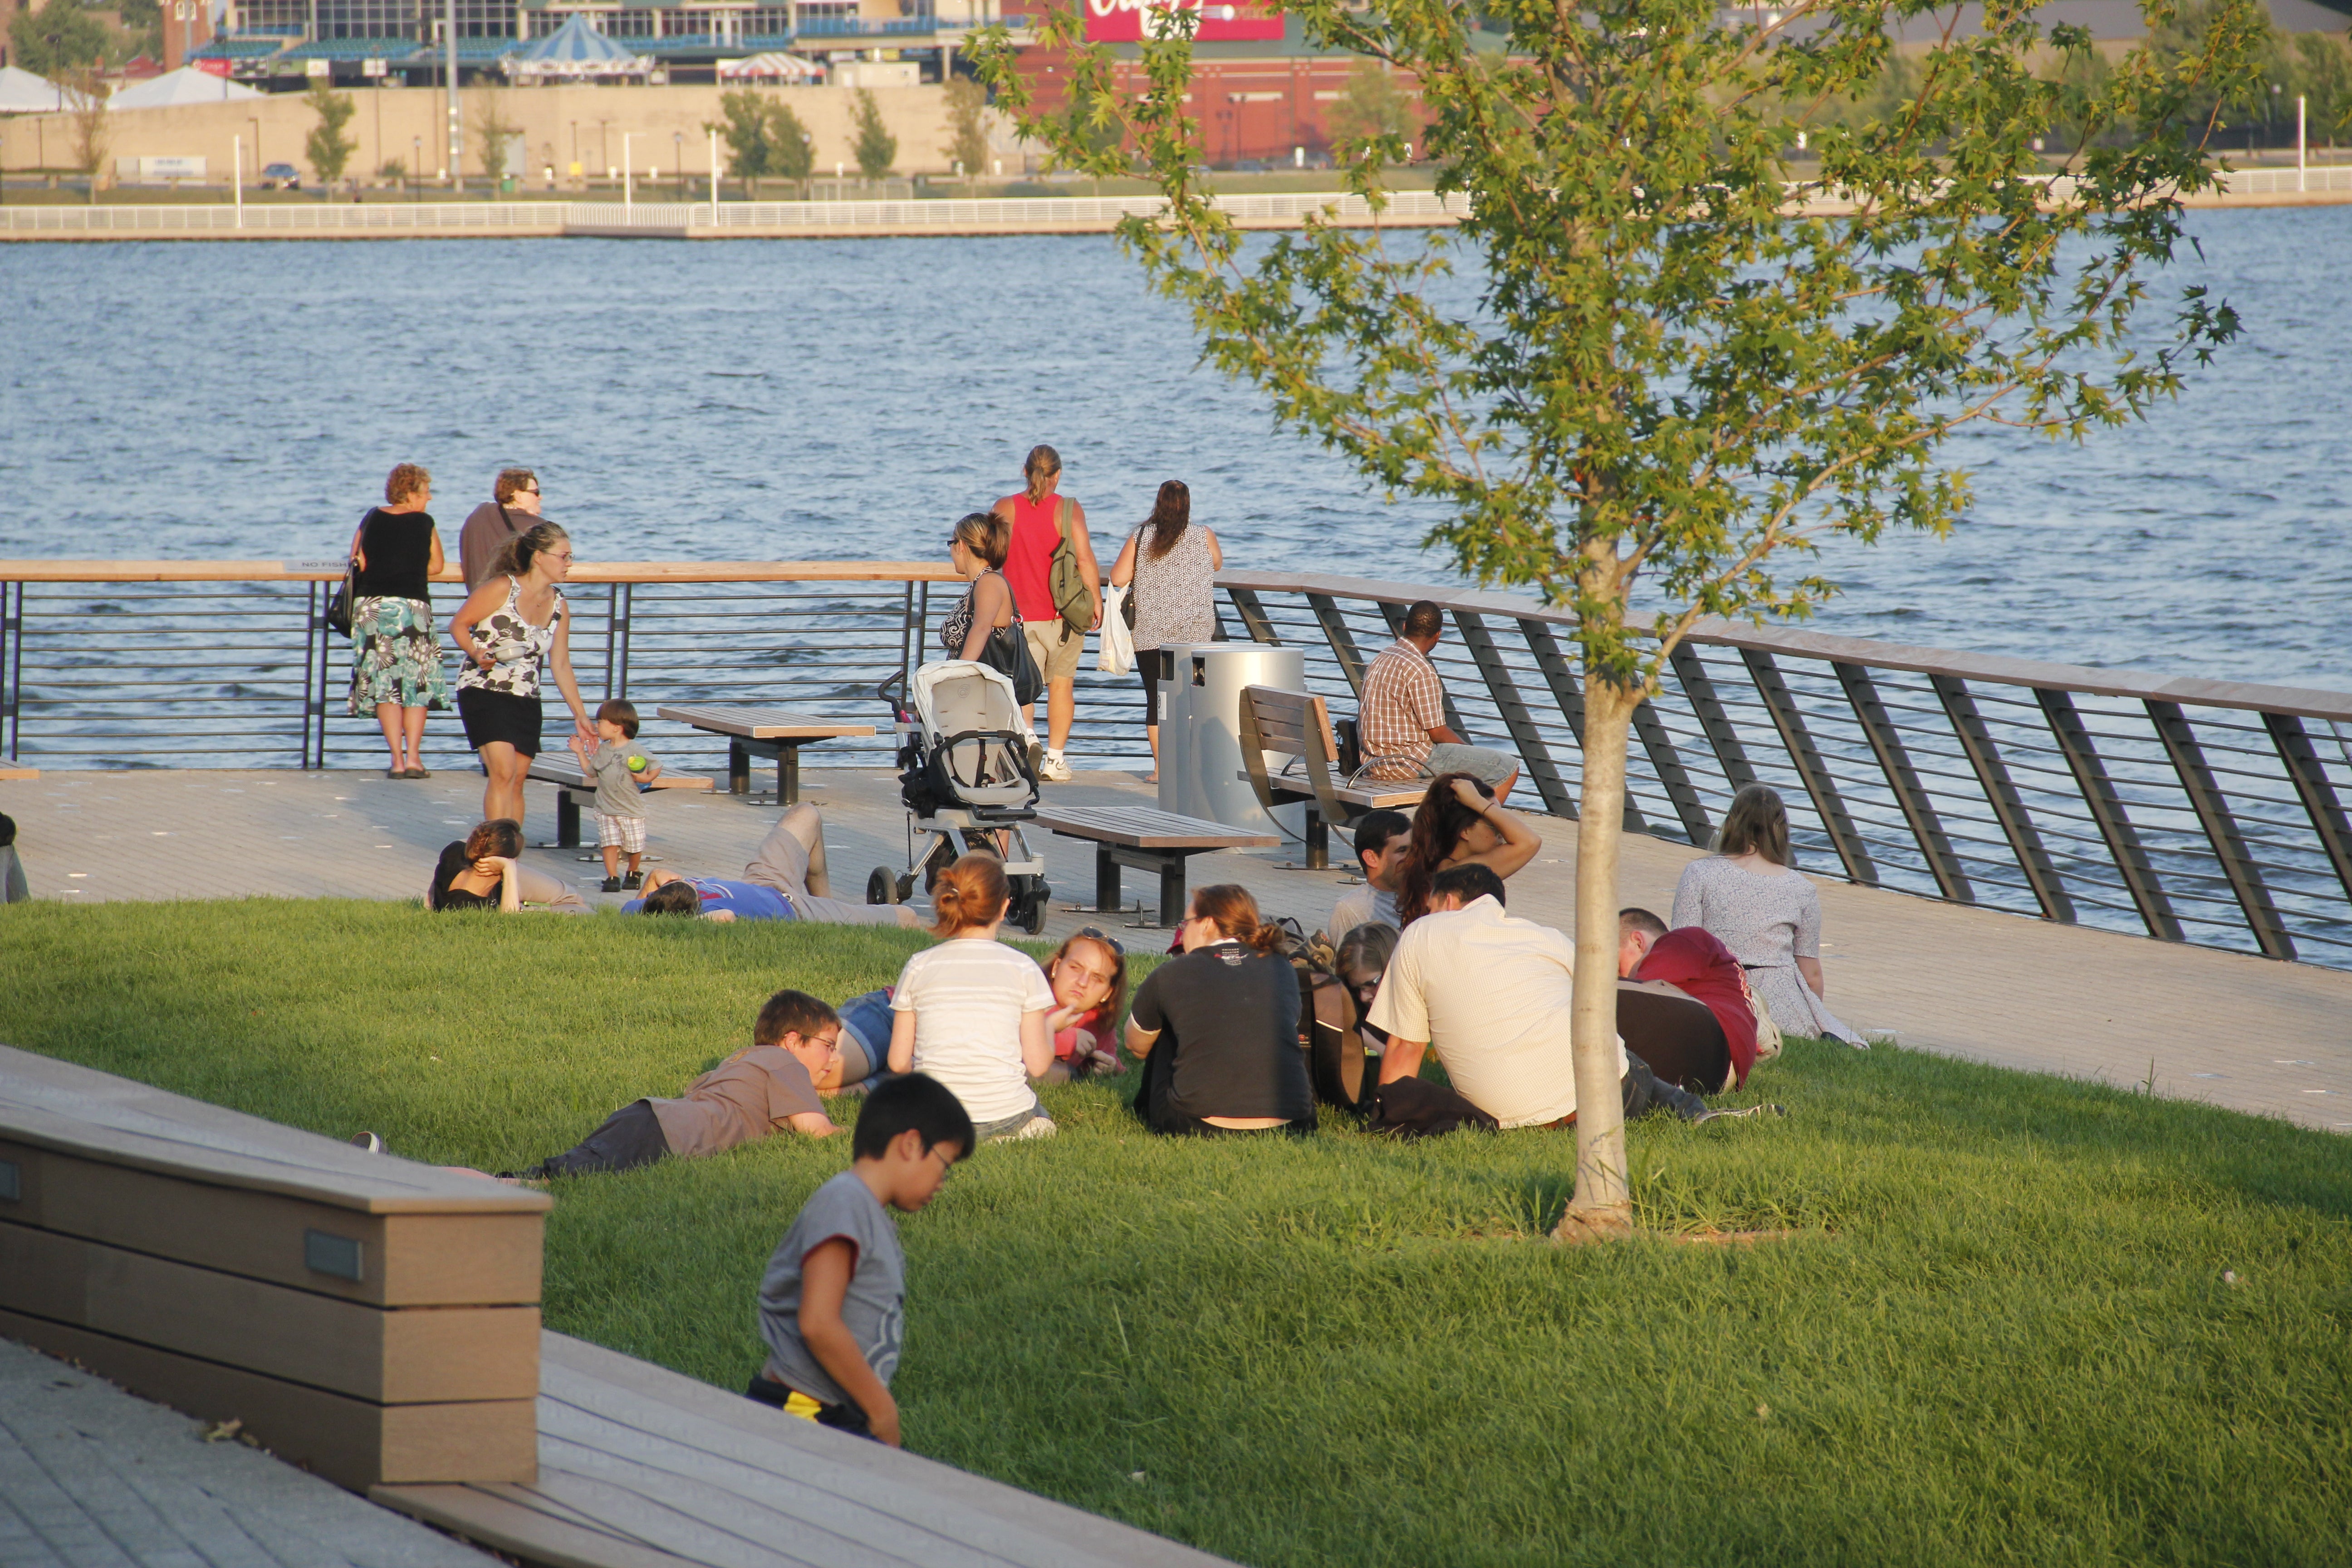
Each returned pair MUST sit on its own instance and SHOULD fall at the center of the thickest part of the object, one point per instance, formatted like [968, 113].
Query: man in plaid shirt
[1402, 714]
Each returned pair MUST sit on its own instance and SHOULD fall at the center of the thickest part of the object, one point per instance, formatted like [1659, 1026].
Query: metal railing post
[1807, 760]
[616, 640]
[1254, 615]
[2007, 808]
[2212, 808]
[2318, 796]
[2107, 813]
[1342, 640]
[1715, 724]
[1562, 677]
[314, 654]
[1557, 799]
[11, 661]
[1918, 809]
[1667, 763]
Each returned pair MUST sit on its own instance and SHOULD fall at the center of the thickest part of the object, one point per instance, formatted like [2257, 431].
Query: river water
[849, 398]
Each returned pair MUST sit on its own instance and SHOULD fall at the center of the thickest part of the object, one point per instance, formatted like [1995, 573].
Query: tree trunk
[1602, 1208]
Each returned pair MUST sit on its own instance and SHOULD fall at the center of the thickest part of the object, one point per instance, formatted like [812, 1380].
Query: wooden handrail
[2000, 669]
[582, 571]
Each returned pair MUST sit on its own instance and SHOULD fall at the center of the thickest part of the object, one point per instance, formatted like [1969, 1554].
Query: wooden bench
[1149, 840]
[374, 1319]
[561, 768]
[769, 732]
[10, 768]
[1297, 725]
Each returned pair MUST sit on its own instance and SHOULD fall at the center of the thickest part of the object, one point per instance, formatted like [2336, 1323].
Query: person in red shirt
[1038, 518]
[1695, 963]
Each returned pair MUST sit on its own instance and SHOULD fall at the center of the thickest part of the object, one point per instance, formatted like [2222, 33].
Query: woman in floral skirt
[396, 655]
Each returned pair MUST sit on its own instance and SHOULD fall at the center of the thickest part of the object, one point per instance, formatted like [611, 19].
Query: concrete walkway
[2247, 1033]
[91, 1476]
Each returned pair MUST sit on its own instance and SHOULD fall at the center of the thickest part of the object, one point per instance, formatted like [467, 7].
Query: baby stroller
[965, 776]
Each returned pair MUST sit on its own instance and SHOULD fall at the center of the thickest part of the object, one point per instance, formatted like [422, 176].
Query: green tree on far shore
[765, 140]
[59, 38]
[1660, 356]
[327, 148]
[495, 130]
[1371, 105]
[875, 148]
[93, 123]
[967, 127]
[791, 150]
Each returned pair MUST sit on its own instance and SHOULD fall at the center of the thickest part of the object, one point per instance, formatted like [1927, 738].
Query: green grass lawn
[2003, 1335]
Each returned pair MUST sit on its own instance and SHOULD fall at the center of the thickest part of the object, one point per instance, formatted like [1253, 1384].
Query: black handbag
[1008, 653]
[339, 602]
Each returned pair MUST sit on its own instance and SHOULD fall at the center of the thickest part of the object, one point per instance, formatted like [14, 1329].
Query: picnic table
[1150, 840]
[769, 732]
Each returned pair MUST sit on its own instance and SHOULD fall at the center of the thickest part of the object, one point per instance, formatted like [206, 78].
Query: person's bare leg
[502, 793]
[1061, 708]
[1152, 733]
[387, 718]
[414, 719]
[612, 861]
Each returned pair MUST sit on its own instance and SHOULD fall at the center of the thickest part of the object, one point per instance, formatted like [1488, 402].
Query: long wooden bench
[1296, 726]
[769, 731]
[1150, 840]
[374, 1319]
[574, 792]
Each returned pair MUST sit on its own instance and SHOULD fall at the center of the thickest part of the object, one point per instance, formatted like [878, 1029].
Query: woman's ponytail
[1230, 907]
[515, 556]
[971, 893]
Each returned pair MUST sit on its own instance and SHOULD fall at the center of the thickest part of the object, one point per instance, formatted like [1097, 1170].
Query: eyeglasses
[1097, 933]
[947, 1166]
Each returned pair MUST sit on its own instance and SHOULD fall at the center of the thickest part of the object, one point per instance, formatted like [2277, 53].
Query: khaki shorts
[1057, 656]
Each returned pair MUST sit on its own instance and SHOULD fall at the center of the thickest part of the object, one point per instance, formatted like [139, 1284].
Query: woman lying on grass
[1217, 1029]
[972, 1011]
[486, 872]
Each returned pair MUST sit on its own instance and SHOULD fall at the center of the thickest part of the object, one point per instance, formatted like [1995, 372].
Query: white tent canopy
[186, 85]
[775, 63]
[22, 92]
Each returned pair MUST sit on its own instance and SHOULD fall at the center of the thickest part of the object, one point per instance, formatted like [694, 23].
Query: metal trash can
[1200, 769]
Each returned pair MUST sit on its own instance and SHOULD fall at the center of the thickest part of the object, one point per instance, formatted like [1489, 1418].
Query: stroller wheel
[880, 885]
[1033, 913]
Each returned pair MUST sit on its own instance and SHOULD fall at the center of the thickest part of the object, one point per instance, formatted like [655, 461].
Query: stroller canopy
[972, 724]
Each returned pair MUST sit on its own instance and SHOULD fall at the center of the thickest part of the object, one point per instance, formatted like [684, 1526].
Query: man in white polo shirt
[1492, 995]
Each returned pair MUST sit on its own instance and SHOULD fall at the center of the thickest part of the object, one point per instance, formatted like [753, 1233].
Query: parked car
[285, 174]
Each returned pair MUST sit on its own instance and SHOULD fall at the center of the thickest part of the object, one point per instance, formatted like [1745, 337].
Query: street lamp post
[457, 122]
[628, 175]
[677, 150]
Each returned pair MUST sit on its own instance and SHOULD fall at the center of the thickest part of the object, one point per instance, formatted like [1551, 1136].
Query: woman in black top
[1217, 1029]
[396, 655]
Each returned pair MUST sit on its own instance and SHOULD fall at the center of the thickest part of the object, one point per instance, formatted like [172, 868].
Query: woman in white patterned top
[516, 632]
[1746, 896]
[1170, 569]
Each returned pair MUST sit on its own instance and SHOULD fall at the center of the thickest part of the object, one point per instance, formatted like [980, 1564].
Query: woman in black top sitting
[396, 657]
[1217, 1029]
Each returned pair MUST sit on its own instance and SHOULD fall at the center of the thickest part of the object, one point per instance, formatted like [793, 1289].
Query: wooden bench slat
[515, 1520]
[761, 723]
[1147, 827]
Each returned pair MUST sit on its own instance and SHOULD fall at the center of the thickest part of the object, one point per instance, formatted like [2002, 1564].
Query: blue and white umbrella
[575, 50]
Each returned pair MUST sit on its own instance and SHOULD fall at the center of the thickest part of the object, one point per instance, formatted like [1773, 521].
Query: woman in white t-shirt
[972, 1011]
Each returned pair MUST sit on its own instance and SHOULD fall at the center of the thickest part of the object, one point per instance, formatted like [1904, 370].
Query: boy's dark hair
[679, 897]
[787, 1013]
[1471, 880]
[916, 1101]
[8, 830]
[1375, 828]
[1640, 920]
[625, 714]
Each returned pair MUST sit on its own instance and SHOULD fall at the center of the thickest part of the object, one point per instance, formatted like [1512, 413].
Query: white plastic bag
[1118, 655]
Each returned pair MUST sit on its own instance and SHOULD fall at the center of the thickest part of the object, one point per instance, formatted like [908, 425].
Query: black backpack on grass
[1329, 1027]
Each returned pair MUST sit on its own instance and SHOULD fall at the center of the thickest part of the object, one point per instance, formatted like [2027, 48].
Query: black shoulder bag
[339, 600]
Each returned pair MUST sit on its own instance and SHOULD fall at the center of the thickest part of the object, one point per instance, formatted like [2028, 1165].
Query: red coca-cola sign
[211, 68]
[1132, 21]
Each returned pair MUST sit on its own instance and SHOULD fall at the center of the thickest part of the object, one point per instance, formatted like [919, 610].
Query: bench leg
[1172, 891]
[788, 773]
[738, 768]
[1318, 840]
[567, 820]
[1108, 892]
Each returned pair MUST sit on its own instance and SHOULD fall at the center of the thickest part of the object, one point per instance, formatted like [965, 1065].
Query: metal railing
[551, 217]
[2191, 810]
[2278, 182]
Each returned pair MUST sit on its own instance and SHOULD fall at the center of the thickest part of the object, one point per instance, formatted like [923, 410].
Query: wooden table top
[1147, 827]
[763, 723]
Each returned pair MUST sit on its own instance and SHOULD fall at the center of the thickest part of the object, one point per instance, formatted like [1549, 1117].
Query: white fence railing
[2278, 182]
[946, 215]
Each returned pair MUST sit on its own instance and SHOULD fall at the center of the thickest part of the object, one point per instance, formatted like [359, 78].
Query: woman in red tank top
[1035, 522]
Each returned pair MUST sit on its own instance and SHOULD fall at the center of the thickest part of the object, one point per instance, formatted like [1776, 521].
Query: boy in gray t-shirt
[833, 1302]
[617, 766]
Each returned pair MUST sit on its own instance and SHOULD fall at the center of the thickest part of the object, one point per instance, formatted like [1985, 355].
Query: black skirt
[499, 716]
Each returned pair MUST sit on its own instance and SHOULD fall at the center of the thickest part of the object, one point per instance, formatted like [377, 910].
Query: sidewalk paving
[2247, 1033]
[91, 1476]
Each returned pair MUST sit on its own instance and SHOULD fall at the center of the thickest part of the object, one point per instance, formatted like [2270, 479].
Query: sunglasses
[1097, 933]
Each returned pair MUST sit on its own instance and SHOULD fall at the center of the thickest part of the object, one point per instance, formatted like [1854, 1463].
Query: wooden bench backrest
[1291, 724]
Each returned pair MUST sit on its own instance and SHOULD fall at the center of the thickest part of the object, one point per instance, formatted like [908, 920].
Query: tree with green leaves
[2323, 75]
[875, 148]
[791, 150]
[1371, 105]
[1658, 357]
[764, 140]
[327, 148]
[495, 130]
[144, 20]
[58, 38]
[93, 123]
[967, 127]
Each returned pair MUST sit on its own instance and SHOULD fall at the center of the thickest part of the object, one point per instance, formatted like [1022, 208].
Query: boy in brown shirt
[766, 1086]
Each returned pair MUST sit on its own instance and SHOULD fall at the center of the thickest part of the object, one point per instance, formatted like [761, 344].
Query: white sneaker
[1052, 768]
[1035, 1127]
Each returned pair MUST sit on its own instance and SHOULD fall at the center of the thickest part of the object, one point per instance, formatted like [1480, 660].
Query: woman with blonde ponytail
[972, 1011]
[1217, 1029]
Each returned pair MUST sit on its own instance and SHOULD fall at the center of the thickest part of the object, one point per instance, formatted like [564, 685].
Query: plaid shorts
[627, 833]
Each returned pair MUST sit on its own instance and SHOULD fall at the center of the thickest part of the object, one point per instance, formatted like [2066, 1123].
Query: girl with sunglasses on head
[1088, 975]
